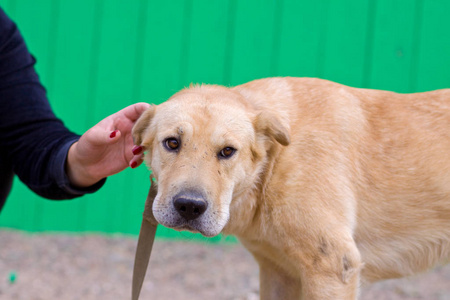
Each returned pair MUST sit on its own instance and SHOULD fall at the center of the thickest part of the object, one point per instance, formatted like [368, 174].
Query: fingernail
[113, 134]
[133, 165]
[136, 150]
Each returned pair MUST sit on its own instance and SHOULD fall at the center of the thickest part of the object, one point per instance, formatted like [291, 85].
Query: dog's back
[404, 210]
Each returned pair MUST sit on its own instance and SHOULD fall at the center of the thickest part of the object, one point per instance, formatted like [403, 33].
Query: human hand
[105, 149]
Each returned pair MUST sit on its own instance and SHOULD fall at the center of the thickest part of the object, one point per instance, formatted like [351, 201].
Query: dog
[328, 186]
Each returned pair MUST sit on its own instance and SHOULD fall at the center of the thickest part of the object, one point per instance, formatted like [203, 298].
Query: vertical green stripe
[185, 40]
[371, 14]
[230, 36]
[417, 38]
[277, 25]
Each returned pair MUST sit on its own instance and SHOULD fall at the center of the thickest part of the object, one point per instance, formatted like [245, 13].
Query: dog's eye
[171, 144]
[226, 152]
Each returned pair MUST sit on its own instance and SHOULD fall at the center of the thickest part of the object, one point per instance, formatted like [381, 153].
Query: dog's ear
[271, 126]
[142, 124]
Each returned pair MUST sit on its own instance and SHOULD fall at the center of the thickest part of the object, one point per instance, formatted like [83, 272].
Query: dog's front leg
[331, 272]
[275, 283]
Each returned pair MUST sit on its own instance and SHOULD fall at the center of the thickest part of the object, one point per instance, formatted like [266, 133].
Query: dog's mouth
[205, 225]
[186, 228]
[195, 227]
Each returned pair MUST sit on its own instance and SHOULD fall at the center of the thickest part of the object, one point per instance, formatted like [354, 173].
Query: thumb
[97, 136]
[114, 136]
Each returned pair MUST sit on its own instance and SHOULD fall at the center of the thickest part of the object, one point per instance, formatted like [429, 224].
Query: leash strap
[145, 243]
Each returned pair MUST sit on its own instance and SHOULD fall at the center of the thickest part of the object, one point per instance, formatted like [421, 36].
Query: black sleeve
[35, 141]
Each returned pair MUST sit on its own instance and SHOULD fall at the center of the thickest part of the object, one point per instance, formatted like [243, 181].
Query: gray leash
[145, 243]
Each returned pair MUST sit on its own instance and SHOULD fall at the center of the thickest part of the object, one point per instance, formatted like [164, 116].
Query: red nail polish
[133, 165]
[136, 150]
[113, 134]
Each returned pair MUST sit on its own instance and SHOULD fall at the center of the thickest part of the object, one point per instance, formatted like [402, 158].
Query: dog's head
[205, 145]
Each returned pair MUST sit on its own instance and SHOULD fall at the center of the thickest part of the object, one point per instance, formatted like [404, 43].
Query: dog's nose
[189, 208]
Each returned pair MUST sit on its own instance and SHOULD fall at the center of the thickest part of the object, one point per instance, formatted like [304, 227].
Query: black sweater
[33, 141]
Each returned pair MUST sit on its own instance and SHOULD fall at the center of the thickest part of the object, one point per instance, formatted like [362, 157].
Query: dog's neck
[247, 208]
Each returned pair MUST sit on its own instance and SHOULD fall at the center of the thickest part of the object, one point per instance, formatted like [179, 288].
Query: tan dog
[324, 184]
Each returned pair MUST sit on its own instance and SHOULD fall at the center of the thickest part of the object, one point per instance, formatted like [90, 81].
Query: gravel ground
[65, 267]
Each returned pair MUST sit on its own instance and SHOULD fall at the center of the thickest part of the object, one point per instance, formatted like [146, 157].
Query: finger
[136, 161]
[136, 150]
[133, 112]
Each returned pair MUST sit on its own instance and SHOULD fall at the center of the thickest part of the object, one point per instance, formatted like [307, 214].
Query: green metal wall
[98, 56]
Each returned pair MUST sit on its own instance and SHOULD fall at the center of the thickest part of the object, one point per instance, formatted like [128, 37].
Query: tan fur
[329, 185]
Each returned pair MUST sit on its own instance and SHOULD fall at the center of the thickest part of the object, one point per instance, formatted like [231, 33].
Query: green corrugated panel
[205, 42]
[70, 91]
[113, 88]
[162, 48]
[433, 70]
[253, 40]
[301, 38]
[394, 50]
[96, 57]
[346, 42]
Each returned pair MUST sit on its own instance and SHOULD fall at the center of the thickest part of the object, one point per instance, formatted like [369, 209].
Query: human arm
[34, 143]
